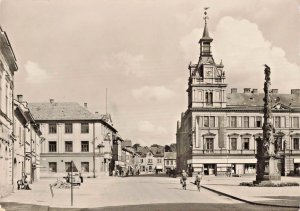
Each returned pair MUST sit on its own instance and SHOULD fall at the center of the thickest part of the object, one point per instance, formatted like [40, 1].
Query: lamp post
[71, 182]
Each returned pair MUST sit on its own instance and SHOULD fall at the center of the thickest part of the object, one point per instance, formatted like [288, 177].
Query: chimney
[254, 91]
[51, 100]
[295, 91]
[247, 90]
[233, 90]
[20, 98]
[85, 105]
[274, 91]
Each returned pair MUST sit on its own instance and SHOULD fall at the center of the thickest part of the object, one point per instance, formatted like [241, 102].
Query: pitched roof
[126, 143]
[170, 155]
[157, 151]
[256, 99]
[60, 111]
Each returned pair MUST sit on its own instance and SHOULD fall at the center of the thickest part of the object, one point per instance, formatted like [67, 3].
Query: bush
[282, 184]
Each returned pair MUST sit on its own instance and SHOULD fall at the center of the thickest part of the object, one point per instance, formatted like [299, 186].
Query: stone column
[267, 156]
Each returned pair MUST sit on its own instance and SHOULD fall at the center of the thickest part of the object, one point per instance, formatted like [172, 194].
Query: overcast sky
[71, 50]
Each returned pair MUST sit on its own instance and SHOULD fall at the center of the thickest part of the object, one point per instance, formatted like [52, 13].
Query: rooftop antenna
[106, 101]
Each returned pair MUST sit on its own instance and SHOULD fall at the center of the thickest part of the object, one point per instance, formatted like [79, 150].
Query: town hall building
[218, 131]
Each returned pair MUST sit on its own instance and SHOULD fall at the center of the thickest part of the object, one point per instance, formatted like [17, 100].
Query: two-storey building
[218, 131]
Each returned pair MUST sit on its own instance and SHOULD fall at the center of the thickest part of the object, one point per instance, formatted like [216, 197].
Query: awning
[159, 167]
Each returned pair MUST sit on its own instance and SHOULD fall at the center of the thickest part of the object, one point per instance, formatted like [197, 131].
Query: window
[209, 121]
[206, 121]
[52, 166]
[233, 143]
[158, 160]
[67, 166]
[246, 143]
[277, 121]
[209, 144]
[85, 167]
[141, 160]
[84, 146]
[52, 146]
[212, 121]
[149, 160]
[52, 128]
[296, 122]
[171, 162]
[209, 98]
[246, 121]
[68, 146]
[296, 143]
[84, 127]
[233, 121]
[68, 128]
[168, 162]
[258, 121]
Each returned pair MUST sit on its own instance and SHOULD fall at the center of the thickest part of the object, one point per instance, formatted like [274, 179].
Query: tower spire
[206, 39]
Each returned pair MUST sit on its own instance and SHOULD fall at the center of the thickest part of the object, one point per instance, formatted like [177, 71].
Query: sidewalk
[276, 196]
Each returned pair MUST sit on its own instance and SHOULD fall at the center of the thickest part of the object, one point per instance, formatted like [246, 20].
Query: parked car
[76, 178]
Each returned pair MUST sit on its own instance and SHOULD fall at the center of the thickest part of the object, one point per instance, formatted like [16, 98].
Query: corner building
[218, 131]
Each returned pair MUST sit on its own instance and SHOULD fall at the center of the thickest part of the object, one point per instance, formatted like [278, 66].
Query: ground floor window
[52, 166]
[150, 168]
[250, 168]
[67, 166]
[85, 167]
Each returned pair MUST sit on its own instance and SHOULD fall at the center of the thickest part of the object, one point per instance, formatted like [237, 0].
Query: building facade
[218, 131]
[73, 133]
[28, 138]
[169, 161]
[7, 68]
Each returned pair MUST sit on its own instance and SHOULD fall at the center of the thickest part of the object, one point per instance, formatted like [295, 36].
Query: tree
[173, 147]
[135, 146]
[167, 148]
[154, 145]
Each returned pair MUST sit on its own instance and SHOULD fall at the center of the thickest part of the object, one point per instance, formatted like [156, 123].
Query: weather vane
[205, 13]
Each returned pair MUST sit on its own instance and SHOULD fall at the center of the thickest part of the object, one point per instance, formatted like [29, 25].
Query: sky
[72, 50]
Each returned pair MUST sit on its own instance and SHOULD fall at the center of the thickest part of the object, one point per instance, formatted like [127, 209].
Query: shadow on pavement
[150, 207]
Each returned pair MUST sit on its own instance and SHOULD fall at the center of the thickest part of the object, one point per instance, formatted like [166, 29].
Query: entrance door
[209, 169]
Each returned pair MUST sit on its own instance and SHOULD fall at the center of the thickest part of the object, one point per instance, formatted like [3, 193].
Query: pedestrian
[183, 179]
[198, 180]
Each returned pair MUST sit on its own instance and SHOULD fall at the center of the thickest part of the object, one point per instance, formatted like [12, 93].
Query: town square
[149, 105]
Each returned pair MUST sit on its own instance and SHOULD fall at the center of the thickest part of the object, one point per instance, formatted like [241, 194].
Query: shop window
[85, 166]
[52, 166]
[52, 146]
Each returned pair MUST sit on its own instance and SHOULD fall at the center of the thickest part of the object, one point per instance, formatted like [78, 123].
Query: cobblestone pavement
[144, 192]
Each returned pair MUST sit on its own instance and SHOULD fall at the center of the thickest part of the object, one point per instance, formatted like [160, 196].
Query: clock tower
[206, 86]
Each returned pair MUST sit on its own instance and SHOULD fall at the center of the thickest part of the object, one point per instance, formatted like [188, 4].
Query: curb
[246, 201]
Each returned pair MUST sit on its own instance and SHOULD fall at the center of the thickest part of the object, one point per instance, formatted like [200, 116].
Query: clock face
[209, 73]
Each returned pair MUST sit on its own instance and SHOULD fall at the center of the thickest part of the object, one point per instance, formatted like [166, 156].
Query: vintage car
[76, 178]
